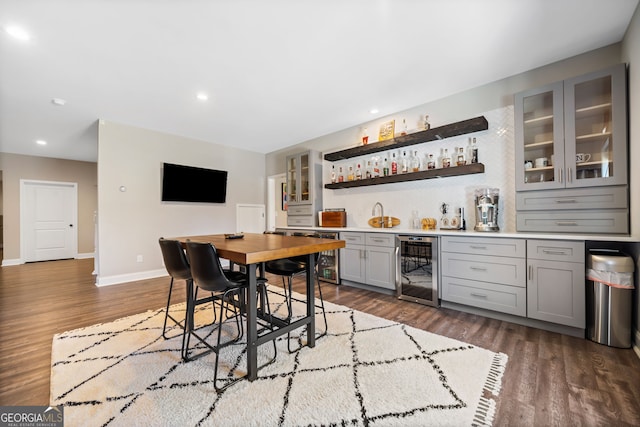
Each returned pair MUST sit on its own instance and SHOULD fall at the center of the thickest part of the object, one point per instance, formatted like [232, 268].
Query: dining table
[253, 249]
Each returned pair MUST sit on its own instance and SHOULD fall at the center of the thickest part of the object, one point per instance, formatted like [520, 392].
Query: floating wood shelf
[441, 132]
[411, 176]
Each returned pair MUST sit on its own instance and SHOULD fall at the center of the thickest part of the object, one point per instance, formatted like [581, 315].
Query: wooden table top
[256, 248]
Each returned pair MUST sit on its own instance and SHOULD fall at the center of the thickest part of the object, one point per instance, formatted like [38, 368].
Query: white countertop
[549, 236]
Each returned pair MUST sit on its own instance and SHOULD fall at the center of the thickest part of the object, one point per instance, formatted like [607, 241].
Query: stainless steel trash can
[609, 297]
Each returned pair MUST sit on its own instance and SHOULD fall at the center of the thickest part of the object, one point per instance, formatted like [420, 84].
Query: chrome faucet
[373, 212]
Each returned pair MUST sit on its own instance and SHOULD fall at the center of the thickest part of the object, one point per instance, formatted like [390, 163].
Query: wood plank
[550, 379]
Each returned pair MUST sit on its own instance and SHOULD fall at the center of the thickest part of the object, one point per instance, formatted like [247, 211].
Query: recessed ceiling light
[202, 96]
[18, 33]
[374, 111]
[41, 142]
[58, 101]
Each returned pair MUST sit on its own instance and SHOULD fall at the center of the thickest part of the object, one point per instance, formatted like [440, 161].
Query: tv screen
[190, 184]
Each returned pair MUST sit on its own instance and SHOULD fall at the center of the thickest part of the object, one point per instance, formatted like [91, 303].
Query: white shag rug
[367, 371]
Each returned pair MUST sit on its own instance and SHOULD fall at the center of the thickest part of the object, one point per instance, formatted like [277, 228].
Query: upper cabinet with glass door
[596, 128]
[540, 135]
[304, 188]
[298, 179]
[573, 133]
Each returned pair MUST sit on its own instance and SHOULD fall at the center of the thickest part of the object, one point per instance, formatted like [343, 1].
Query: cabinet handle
[570, 175]
[566, 201]
[561, 173]
[477, 247]
[552, 252]
[530, 272]
[566, 223]
[478, 268]
[473, 294]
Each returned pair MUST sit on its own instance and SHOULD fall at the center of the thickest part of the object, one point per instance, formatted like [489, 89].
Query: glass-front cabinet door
[595, 130]
[540, 135]
[299, 180]
[304, 179]
[293, 169]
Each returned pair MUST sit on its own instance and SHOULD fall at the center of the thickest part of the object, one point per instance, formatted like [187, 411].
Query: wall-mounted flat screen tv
[191, 184]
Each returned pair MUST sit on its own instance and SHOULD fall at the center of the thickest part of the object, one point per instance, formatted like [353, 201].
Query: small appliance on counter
[333, 218]
[486, 202]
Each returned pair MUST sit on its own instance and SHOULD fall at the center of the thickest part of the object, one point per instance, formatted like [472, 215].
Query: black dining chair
[288, 269]
[209, 276]
[177, 265]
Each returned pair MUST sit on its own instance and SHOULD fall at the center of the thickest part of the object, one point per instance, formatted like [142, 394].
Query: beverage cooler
[417, 269]
[328, 261]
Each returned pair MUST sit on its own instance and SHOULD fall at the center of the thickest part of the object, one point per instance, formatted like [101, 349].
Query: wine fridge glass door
[416, 269]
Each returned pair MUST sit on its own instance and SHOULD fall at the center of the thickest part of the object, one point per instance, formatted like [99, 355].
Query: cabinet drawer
[555, 250]
[597, 221]
[502, 270]
[581, 198]
[485, 246]
[490, 296]
[304, 221]
[379, 239]
[299, 210]
[352, 238]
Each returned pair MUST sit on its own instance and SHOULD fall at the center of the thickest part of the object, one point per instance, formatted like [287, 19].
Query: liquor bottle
[385, 167]
[404, 128]
[333, 174]
[404, 163]
[340, 175]
[431, 162]
[474, 151]
[376, 167]
[394, 165]
[415, 162]
[350, 174]
[427, 125]
[365, 136]
[358, 172]
[446, 160]
[460, 159]
[368, 171]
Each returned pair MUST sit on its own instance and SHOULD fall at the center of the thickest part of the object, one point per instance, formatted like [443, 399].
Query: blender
[486, 202]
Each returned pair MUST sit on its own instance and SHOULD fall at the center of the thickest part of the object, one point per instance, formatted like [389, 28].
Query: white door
[48, 218]
[250, 219]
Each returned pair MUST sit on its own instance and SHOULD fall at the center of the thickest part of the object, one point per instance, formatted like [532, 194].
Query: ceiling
[276, 72]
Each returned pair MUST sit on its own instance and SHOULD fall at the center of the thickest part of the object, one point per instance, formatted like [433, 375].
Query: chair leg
[266, 310]
[324, 315]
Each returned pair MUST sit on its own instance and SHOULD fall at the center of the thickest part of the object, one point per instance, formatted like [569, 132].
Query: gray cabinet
[488, 273]
[368, 258]
[556, 282]
[572, 135]
[304, 188]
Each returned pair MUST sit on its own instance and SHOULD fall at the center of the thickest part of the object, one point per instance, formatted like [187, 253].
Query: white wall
[131, 222]
[495, 101]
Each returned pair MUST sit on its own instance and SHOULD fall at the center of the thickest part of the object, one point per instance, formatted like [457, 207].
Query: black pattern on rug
[366, 371]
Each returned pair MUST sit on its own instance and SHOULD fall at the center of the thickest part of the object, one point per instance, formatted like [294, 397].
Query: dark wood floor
[551, 379]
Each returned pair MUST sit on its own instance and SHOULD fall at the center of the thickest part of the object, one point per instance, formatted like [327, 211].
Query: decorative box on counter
[333, 218]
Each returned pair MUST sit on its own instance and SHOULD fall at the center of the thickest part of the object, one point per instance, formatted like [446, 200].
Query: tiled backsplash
[496, 152]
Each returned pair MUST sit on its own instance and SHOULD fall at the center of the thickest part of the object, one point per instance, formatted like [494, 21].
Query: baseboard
[131, 277]
[85, 255]
[18, 261]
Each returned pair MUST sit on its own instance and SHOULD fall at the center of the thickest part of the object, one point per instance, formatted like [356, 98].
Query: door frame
[23, 222]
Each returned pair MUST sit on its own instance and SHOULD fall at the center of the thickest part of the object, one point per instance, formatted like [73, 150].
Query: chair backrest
[206, 269]
[175, 260]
